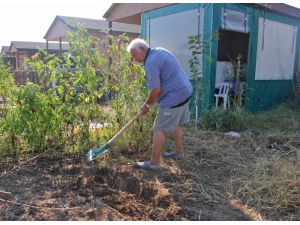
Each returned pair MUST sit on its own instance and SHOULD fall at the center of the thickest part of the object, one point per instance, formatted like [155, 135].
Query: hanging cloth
[234, 20]
[293, 44]
[263, 33]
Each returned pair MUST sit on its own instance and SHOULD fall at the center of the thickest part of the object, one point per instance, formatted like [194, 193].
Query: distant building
[8, 57]
[61, 25]
[21, 50]
[5, 51]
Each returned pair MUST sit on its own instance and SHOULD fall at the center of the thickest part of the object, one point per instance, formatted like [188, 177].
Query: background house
[130, 13]
[5, 51]
[22, 50]
[8, 57]
[265, 35]
[57, 32]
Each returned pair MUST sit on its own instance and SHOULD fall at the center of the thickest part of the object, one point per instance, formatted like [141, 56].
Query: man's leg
[159, 139]
[177, 135]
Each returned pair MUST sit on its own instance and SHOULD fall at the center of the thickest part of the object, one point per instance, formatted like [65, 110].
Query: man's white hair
[137, 44]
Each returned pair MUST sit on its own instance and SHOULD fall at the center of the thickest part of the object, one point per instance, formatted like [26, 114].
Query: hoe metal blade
[96, 152]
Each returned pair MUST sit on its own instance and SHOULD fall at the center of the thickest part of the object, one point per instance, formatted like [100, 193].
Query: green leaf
[191, 41]
[60, 90]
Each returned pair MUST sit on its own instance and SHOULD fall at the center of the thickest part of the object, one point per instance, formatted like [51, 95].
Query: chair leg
[225, 103]
[217, 101]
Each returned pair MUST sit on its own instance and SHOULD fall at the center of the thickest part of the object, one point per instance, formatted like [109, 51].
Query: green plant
[239, 86]
[70, 104]
[198, 48]
[69, 99]
[7, 88]
[31, 122]
[224, 120]
[127, 84]
[283, 118]
[6, 85]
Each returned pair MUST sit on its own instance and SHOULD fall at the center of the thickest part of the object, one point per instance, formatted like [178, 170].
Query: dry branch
[6, 195]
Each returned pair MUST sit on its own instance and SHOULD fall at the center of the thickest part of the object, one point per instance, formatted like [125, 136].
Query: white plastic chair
[223, 93]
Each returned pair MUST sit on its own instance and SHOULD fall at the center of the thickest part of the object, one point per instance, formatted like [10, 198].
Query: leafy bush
[224, 120]
[66, 102]
[33, 118]
[283, 118]
[6, 85]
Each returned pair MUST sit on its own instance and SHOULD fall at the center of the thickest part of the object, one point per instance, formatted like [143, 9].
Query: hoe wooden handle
[124, 128]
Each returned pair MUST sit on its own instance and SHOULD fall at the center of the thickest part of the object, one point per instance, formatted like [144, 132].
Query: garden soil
[57, 187]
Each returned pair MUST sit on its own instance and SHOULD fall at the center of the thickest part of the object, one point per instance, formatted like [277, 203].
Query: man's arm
[150, 100]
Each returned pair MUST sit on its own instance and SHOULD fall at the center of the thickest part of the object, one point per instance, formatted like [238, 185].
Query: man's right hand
[150, 100]
[145, 109]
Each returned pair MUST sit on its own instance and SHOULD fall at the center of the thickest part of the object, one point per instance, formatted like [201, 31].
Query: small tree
[239, 87]
[198, 48]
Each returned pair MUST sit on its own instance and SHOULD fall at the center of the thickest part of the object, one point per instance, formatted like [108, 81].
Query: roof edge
[52, 24]
[282, 8]
[110, 9]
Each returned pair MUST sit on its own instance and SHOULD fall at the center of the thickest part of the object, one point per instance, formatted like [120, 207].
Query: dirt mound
[83, 192]
[64, 190]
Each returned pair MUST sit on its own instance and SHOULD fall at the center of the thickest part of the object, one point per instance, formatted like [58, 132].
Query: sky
[29, 20]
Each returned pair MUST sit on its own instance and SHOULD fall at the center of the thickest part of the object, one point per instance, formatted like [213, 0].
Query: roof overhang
[57, 31]
[130, 12]
[281, 8]
[12, 48]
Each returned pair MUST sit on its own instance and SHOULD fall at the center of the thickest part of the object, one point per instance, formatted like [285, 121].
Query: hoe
[98, 152]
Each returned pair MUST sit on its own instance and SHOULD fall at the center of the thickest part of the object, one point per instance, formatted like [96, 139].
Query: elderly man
[171, 88]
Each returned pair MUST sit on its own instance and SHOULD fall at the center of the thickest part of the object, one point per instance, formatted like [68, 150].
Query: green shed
[266, 38]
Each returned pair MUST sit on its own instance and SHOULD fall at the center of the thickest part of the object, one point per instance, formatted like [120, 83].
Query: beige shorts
[169, 119]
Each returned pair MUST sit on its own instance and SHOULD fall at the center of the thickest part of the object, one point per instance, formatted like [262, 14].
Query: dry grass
[260, 172]
[273, 186]
[210, 159]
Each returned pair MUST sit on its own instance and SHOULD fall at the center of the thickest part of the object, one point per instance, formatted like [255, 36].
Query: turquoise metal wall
[264, 94]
